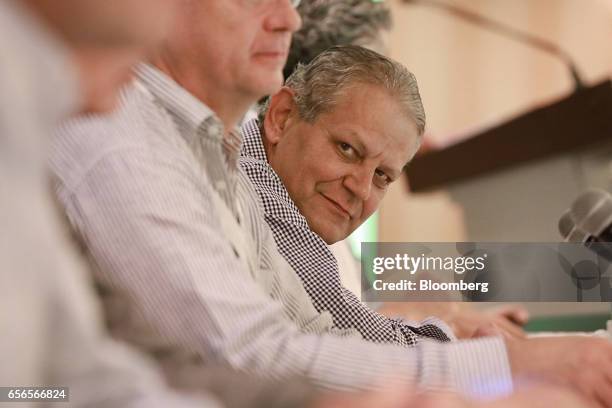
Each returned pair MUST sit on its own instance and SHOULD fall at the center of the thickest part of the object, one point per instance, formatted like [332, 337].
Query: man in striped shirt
[188, 266]
[52, 329]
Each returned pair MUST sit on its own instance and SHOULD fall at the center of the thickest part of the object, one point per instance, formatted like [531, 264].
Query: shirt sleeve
[316, 265]
[102, 372]
[152, 230]
[53, 333]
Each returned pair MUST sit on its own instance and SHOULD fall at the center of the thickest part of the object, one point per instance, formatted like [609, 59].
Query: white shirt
[52, 334]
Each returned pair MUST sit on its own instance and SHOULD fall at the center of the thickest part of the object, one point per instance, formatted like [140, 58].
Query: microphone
[589, 222]
[569, 230]
[508, 32]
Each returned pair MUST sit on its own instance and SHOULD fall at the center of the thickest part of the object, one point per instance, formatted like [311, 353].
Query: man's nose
[283, 17]
[359, 183]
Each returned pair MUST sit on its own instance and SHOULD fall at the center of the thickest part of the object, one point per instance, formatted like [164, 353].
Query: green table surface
[582, 322]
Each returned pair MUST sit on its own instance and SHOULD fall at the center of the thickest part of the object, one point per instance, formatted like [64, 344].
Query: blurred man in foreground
[52, 334]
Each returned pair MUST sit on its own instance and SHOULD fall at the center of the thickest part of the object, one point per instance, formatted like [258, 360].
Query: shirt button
[238, 213]
[214, 130]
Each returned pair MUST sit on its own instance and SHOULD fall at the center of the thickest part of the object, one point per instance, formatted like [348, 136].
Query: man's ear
[278, 115]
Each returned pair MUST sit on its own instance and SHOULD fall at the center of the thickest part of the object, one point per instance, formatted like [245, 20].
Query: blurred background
[471, 80]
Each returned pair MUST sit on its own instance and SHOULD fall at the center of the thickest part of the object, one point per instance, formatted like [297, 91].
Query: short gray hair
[318, 85]
[326, 23]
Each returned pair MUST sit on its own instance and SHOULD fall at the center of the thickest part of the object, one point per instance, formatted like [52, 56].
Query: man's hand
[580, 363]
[540, 397]
[508, 320]
[535, 397]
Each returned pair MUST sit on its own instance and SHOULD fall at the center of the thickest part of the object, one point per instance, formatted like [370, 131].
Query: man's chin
[331, 237]
[100, 106]
[267, 81]
[271, 88]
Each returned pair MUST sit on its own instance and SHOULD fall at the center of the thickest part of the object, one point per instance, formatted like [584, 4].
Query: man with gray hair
[328, 23]
[329, 143]
[309, 165]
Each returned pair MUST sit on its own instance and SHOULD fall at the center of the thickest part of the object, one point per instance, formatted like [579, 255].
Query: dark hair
[326, 23]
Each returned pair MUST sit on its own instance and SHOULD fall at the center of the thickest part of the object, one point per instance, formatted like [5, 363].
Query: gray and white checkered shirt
[314, 262]
[139, 187]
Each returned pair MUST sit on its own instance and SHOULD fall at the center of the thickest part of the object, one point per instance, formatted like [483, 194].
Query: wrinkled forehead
[385, 134]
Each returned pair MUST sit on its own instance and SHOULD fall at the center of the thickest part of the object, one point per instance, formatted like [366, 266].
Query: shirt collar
[252, 144]
[275, 197]
[177, 100]
[193, 113]
[231, 147]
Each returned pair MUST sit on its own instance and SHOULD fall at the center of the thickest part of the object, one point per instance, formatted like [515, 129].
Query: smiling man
[348, 152]
[329, 144]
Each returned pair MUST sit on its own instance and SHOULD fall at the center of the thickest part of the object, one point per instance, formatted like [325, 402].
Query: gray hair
[326, 23]
[318, 85]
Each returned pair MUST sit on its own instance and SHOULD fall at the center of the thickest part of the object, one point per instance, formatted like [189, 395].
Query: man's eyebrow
[392, 171]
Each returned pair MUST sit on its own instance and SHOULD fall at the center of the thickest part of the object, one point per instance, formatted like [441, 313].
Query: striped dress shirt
[51, 327]
[314, 262]
[153, 193]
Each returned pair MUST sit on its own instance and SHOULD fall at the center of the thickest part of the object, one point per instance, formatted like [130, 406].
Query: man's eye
[381, 179]
[347, 150]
